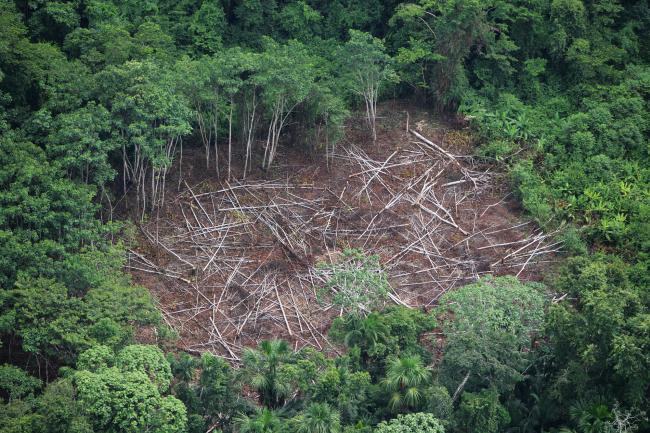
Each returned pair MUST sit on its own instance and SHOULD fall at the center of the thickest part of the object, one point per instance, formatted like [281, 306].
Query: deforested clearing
[232, 263]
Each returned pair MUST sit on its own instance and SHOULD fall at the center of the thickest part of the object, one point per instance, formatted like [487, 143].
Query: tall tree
[126, 398]
[437, 38]
[488, 341]
[420, 422]
[264, 421]
[285, 77]
[261, 371]
[406, 380]
[150, 119]
[366, 68]
[319, 418]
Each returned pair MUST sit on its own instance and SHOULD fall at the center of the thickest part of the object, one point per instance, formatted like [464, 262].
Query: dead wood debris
[239, 262]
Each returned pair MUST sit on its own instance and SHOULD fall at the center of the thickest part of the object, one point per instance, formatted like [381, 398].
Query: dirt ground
[235, 262]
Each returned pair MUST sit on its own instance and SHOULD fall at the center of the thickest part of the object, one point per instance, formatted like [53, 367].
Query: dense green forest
[99, 97]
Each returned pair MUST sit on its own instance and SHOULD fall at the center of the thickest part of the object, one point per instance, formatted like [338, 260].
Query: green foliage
[533, 192]
[286, 77]
[53, 324]
[96, 358]
[148, 359]
[366, 62]
[451, 29]
[489, 327]
[355, 282]
[299, 20]
[481, 412]
[148, 117]
[207, 27]
[19, 417]
[261, 371]
[406, 379]
[44, 217]
[16, 383]
[264, 421]
[127, 397]
[61, 410]
[126, 401]
[47, 320]
[104, 399]
[81, 144]
[602, 335]
[208, 388]
[439, 403]
[99, 93]
[412, 423]
[318, 418]
[342, 389]
[366, 69]
[369, 333]
[395, 331]
[583, 161]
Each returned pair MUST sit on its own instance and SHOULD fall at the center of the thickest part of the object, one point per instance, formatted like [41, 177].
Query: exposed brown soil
[232, 263]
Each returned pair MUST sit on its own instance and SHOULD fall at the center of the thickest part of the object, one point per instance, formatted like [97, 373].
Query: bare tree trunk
[124, 166]
[459, 390]
[230, 138]
[142, 198]
[370, 97]
[268, 140]
[249, 129]
[180, 166]
[370, 93]
[272, 135]
[206, 136]
[215, 128]
[278, 121]
[327, 144]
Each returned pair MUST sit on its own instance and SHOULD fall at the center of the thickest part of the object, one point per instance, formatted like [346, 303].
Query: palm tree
[591, 416]
[265, 421]
[365, 332]
[183, 366]
[261, 371]
[319, 418]
[406, 379]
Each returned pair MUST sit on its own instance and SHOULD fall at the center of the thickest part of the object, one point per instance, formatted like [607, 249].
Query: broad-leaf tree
[420, 422]
[366, 68]
[489, 327]
[149, 120]
[285, 77]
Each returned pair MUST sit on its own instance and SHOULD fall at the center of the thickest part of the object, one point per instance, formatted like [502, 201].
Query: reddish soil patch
[232, 263]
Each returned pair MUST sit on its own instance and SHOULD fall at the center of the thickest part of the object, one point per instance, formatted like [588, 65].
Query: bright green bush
[411, 423]
[355, 282]
[127, 396]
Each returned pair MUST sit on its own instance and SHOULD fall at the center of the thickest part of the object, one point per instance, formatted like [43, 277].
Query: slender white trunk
[215, 130]
[180, 166]
[370, 91]
[249, 129]
[204, 132]
[229, 138]
[278, 121]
